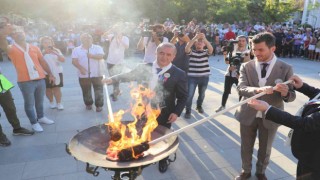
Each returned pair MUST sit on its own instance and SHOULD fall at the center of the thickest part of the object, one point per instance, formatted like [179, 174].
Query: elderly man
[169, 83]
[31, 68]
[88, 59]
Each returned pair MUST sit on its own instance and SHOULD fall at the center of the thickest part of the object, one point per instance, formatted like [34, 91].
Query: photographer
[180, 40]
[233, 56]
[150, 40]
[118, 44]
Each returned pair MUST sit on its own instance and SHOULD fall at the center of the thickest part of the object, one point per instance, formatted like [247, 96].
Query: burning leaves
[126, 138]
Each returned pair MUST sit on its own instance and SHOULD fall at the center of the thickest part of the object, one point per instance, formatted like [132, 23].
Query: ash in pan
[115, 135]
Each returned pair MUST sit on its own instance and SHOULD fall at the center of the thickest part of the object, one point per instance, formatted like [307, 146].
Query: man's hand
[173, 117]
[90, 56]
[107, 81]
[232, 68]
[83, 71]
[258, 105]
[199, 36]
[282, 88]
[297, 82]
[266, 89]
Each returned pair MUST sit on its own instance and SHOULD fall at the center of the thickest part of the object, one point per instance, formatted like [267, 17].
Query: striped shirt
[199, 63]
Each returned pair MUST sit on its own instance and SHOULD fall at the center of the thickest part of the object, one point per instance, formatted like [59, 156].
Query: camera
[229, 45]
[234, 60]
[180, 30]
[50, 47]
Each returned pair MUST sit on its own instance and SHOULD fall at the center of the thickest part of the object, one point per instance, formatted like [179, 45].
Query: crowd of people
[175, 64]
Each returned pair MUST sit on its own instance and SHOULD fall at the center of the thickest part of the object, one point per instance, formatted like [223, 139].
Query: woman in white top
[54, 58]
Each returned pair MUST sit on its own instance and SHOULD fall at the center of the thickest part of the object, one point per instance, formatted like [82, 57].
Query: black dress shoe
[261, 177]
[163, 165]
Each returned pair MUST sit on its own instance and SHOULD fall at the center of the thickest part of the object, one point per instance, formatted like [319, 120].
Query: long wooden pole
[108, 101]
[209, 117]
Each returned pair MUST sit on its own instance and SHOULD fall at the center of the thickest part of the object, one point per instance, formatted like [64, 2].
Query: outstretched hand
[106, 80]
[258, 105]
[297, 82]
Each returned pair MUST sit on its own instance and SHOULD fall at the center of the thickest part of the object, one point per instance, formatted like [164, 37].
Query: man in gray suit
[257, 76]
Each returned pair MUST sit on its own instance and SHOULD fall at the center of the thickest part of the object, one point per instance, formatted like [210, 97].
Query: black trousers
[228, 82]
[9, 108]
[305, 173]
[86, 84]
[287, 50]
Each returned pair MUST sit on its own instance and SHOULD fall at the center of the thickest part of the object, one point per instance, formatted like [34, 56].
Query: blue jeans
[193, 82]
[33, 95]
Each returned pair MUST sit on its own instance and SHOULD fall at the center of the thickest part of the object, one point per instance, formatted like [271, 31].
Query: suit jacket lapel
[254, 75]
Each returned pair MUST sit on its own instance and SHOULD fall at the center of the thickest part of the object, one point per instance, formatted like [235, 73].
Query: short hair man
[169, 83]
[31, 68]
[199, 70]
[256, 77]
[232, 73]
[118, 44]
[88, 59]
[150, 44]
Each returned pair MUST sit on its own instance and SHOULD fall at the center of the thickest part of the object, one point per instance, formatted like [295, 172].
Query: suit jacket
[306, 135]
[249, 82]
[174, 91]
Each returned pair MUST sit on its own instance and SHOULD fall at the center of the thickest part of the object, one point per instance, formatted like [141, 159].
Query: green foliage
[204, 10]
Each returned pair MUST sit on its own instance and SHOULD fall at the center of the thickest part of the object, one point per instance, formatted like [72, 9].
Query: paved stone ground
[208, 151]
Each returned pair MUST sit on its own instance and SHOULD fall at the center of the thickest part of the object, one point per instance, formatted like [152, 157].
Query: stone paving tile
[32, 153]
[11, 171]
[56, 166]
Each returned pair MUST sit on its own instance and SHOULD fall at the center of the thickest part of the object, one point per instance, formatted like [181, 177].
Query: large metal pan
[90, 146]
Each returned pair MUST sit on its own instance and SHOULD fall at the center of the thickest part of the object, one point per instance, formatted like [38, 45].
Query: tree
[269, 11]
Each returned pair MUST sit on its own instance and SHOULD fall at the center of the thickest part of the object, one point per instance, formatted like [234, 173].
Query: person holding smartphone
[54, 58]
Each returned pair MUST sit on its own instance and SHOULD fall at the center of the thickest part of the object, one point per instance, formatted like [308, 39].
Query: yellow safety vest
[5, 84]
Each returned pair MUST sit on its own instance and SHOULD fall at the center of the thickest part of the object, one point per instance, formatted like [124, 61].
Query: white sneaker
[45, 120]
[53, 105]
[37, 127]
[60, 106]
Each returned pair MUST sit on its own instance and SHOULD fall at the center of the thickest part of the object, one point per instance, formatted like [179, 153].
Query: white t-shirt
[81, 54]
[116, 49]
[150, 49]
[53, 62]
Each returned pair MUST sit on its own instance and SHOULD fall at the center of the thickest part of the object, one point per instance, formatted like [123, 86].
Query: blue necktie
[264, 70]
[158, 70]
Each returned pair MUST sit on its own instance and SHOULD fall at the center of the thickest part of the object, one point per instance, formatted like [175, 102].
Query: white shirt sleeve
[75, 53]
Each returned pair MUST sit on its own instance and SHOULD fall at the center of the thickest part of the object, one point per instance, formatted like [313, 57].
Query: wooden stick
[209, 117]
[108, 101]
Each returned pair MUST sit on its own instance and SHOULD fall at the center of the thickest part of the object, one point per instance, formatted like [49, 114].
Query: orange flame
[142, 111]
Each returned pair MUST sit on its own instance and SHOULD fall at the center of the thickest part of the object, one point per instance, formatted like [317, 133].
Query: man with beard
[257, 76]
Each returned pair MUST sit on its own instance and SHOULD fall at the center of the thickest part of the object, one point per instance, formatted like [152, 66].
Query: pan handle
[92, 170]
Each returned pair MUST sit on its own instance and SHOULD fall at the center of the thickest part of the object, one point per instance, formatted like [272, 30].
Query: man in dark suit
[305, 138]
[256, 76]
[169, 83]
